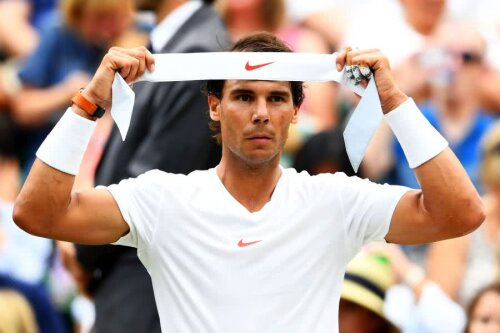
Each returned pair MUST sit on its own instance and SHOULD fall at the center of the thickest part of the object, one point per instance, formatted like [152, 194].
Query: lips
[260, 136]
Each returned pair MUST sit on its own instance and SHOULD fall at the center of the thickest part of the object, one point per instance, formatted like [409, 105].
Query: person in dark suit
[168, 131]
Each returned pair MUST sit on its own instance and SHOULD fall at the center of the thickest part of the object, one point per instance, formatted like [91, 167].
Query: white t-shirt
[216, 267]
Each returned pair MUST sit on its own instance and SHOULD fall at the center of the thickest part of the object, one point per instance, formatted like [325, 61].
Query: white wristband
[65, 145]
[419, 140]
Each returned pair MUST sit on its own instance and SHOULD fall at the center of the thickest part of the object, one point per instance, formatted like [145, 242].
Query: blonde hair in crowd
[490, 150]
[16, 315]
[72, 9]
[490, 168]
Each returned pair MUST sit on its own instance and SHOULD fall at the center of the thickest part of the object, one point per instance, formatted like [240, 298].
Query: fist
[390, 96]
[130, 63]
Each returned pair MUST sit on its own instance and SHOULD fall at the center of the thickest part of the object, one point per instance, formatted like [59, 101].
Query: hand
[390, 96]
[130, 63]
[67, 253]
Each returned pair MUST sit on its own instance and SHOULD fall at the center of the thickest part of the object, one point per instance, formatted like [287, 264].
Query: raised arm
[46, 207]
[448, 205]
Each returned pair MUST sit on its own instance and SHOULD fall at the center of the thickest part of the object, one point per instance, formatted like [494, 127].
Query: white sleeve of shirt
[139, 201]
[367, 209]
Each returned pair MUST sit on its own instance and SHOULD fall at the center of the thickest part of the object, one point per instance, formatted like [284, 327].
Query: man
[248, 246]
[168, 132]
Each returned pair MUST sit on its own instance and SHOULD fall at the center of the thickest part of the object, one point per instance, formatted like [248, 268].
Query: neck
[166, 8]
[250, 185]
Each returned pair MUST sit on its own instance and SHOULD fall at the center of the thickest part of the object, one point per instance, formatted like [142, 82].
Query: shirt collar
[164, 31]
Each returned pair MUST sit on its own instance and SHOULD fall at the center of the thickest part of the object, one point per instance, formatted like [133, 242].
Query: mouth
[260, 139]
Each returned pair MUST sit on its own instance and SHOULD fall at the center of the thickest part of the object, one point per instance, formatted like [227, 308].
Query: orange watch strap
[84, 104]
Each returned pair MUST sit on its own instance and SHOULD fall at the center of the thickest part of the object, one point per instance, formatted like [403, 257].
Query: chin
[260, 158]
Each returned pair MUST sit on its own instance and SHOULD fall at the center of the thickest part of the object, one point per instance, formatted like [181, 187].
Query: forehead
[257, 86]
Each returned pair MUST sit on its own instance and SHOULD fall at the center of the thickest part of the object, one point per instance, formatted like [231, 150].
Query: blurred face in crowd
[423, 15]
[459, 54]
[485, 317]
[254, 118]
[102, 26]
[356, 319]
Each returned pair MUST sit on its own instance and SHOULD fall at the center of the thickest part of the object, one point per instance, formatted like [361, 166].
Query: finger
[359, 57]
[148, 58]
[374, 61]
[341, 57]
[134, 69]
[150, 61]
[140, 54]
[122, 65]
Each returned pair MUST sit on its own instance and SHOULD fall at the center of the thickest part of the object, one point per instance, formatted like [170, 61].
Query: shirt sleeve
[368, 208]
[139, 200]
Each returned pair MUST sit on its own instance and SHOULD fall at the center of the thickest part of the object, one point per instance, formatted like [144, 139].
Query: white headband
[275, 66]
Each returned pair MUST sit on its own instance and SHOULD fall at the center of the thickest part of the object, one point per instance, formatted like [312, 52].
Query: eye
[244, 98]
[276, 99]
[484, 320]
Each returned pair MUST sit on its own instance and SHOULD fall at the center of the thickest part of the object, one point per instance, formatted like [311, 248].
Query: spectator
[26, 19]
[169, 132]
[456, 64]
[414, 302]
[16, 315]
[21, 22]
[398, 28]
[324, 152]
[68, 53]
[22, 256]
[463, 265]
[367, 278]
[48, 319]
[24, 259]
[484, 311]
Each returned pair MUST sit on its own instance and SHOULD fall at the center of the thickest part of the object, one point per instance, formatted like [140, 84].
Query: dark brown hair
[257, 42]
[494, 287]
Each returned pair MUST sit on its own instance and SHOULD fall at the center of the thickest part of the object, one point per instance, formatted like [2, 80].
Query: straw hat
[366, 281]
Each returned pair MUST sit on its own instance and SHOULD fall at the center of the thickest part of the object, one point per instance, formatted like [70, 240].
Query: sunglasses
[468, 57]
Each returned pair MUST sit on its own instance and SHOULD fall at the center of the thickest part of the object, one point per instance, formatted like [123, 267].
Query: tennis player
[247, 246]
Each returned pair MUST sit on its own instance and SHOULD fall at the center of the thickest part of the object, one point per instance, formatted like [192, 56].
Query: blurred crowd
[444, 53]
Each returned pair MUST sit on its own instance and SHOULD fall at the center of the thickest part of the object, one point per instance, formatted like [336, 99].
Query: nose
[261, 113]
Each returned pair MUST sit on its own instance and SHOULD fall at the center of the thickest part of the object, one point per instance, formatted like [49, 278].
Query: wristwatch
[83, 103]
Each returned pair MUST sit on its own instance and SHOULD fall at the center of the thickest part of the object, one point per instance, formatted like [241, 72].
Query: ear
[295, 118]
[214, 106]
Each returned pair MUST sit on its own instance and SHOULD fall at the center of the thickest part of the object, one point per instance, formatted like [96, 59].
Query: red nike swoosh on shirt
[249, 67]
[241, 243]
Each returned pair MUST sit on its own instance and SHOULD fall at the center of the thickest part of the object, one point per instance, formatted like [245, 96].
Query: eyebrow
[241, 91]
[282, 93]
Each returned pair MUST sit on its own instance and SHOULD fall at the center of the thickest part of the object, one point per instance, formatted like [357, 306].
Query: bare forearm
[447, 192]
[31, 107]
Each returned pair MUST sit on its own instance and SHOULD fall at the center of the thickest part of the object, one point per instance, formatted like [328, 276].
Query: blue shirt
[42, 12]
[467, 150]
[60, 52]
